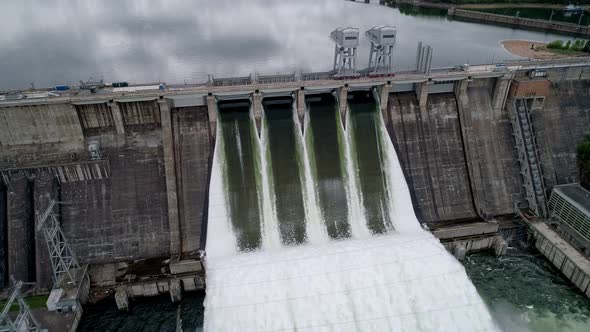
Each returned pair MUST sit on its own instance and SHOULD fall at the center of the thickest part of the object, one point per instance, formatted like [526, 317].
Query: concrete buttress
[212, 112]
[383, 100]
[117, 117]
[501, 89]
[300, 95]
[170, 169]
[343, 103]
[422, 94]
[257, 108]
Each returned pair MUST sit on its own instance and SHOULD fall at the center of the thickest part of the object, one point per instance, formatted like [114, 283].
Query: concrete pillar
[343, 103]
[384, 97]
[473, 170]
[212, 112]
[300, 95]
[459, 251]
[20, 229]
[175, 291]
[257, 108]
[122, 298]
[500, 92]
[499, 245]
[460, 89]
[422, 94]
[45, 190]
[117, 117]
[170, 170]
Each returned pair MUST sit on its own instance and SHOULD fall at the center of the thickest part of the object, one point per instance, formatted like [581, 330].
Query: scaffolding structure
[64, 265]
[24, 320]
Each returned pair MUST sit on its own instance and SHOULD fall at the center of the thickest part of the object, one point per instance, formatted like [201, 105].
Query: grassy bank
[34, 302]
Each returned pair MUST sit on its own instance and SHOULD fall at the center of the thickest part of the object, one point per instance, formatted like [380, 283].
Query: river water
[178, 41]
[526, 293]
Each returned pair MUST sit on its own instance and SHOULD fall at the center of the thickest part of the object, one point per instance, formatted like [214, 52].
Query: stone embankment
[518, 22]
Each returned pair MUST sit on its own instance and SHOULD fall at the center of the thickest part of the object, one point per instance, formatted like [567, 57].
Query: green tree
[578, 45]
[567, 45]
[556, 44]
[584, 162]
[587, 46]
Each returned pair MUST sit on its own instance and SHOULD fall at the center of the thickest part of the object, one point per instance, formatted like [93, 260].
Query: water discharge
[239, 166]
[400, 279]
[285, 168]
[326, 157]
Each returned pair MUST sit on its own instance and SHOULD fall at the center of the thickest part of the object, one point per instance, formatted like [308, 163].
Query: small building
[569, 208]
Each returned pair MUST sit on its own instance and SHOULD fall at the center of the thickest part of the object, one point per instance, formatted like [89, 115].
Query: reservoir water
[183, 41]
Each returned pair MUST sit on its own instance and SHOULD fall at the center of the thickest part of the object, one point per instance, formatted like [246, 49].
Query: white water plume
[316, 232]
[219, 222]
[271, 238]
[400, 281]
[356, 215]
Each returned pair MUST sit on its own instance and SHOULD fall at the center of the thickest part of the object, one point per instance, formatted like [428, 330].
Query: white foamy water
[402, 281]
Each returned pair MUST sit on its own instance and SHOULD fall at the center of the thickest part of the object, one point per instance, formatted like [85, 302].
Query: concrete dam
[150, 182]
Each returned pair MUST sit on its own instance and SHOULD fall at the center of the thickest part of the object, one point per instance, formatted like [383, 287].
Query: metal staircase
[528, 154]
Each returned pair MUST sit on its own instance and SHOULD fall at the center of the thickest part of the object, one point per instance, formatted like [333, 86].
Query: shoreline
[533, 50]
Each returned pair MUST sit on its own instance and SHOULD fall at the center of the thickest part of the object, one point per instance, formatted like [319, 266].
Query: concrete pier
[117, 117]
[343, 103]
[172, 198]
[257, 109]
[384, 96]
[562, 255]
[300, 102]
[500, 92]
[422, 94]
[212, 112]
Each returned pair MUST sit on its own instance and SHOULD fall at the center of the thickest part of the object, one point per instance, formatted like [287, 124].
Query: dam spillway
[147, 196]
[399, 278]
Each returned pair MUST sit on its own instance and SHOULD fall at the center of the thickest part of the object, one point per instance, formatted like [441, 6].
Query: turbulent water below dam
[315, 230]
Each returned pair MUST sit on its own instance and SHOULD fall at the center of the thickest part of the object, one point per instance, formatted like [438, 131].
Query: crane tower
[382, 39]
[347, 41]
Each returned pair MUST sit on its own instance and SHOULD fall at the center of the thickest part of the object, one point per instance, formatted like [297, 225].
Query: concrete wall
[95, 116]
[559, 127]
[20, 230]
[124, 216]
[3, 237]
[193, 153]
[430, 149]
[489, 146]
[39, 124]
[140, 112]
[38, 134]
[534, 24]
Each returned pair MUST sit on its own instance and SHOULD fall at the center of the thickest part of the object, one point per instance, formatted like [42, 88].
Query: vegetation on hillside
[584, 162]
[569, 46]
[461, 2]
[34, 302]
